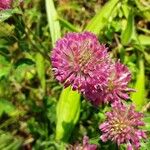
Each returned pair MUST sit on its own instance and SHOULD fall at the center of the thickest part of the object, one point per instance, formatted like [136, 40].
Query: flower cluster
[5, 4]
[115, 87]
[80, 61]
[122, 126]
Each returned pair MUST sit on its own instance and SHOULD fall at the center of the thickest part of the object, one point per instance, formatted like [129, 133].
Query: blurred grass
[99, 21]
[28, 90]
[52, 18]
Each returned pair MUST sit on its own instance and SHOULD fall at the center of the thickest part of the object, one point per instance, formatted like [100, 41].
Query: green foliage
[68, 25]
[5, 14]
[8, 142]
[5, 66]
[144, 39]
[101, 19]
[145, 145]
[34, 110]
[147, 123]
[40, 66]
[138, 97]
[68, 111]
[6, 107]
[129, 29]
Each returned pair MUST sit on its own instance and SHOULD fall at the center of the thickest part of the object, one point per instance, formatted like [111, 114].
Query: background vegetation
[28, 90]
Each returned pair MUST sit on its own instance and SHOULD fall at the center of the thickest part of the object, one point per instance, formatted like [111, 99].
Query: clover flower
[84, 146]
[117, 83]
[79, 60]
[5, 4]
[122, 126]
[115, 87]
[87, 146]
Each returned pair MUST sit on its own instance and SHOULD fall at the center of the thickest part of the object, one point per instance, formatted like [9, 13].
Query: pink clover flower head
[84, 146]
[87, 146]
[79, 60]
[122, 126]
[5, 4]
[114, 88]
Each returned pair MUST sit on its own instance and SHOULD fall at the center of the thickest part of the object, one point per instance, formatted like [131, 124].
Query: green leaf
[40, 66]
[5, 66]
[7, 107]
[138, 97]
[5, 14]
[100, 20]
[147, 57]
[53, 22]
[129, 29]
[68, 110]
[144, 9]
[144, 39]
[125, 9]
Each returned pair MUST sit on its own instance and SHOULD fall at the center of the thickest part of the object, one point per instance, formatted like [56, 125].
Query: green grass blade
[52, 21]
[101, 18]
[138, 97]
[68, 25]
[40, 66]
[129, 30]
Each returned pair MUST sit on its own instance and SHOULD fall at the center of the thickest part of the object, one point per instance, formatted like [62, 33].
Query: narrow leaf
[125, 9]
[40, 66]
[129, 30]
[53, 22]
[147, 57]
[138, 97]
